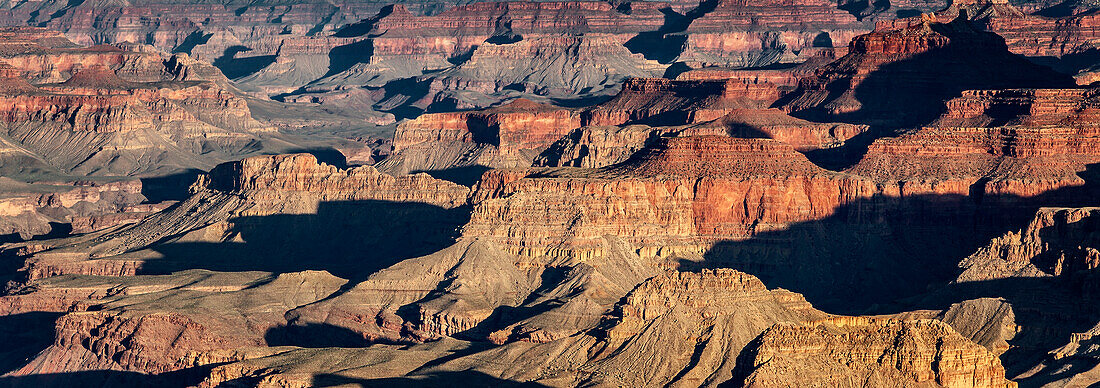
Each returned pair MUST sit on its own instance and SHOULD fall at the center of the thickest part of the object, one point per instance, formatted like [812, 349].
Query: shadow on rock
[911, 92]
[461, 379]
[465, 175]
[24, 336]
[172, 187]
[351, 239]
[110, 378]
[874, 252]
[315, 336]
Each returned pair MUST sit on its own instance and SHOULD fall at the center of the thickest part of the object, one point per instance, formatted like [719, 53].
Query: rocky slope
[77, 207]
[550, 270]
[505, 136]
[905, 66]
[107, 110]
[859, 352]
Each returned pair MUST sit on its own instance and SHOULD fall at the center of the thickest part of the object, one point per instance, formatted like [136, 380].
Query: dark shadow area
[329, 156]
[196, 38]
[25, 335]
[10, 263]
[461, 58]
[462, 379]
[859, 9]
[502, 33]
[1060, 10]
[581, 102]
[189, 377]
[822, 40]
[68, 5]
[364, 26]
[465, 175]
[234, 67]
[172, 187]
[351, 239]
[674, 70]
[342, 58]
[745, 131]
[314, 335]
[840, 158]
[96, 378]
[908, 265]
[908, 13]
[872, 253]
[399, 95]
[1071, 63]
[910, 93]
[57, 230]
[665, 44]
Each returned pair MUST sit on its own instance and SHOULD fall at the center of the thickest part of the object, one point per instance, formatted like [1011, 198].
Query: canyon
[561, 193]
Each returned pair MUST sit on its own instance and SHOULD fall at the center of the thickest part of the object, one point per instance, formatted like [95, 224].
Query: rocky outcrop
[505, 136]
[680, 188]
[118, 111]
[894, 76]
[759, 33]
[858, 352]
[658, 101]
[1009, 142]
[78, 207]
[166, 323]
[247, 204]
[1057, 241]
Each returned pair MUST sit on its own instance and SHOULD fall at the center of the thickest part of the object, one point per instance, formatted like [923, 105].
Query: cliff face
[505, 136]
[1009, 142]
[900, 66]
[551, 267]
[315, 51]
[758, 33]
[673, 194]
[1056, 242]
[658, 101]
[857, 352]
[106, 110]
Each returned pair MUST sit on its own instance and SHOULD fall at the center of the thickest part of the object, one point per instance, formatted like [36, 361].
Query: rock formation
[505, 136]
[77, 207]
[106, 110]
[859, 352]
[904, 66]
[563, 193]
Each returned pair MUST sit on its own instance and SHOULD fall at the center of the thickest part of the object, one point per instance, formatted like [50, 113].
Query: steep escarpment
[554, 267]
[1009, 142]
[760, 33]
[679, 189]
[505, 136]
[106, 110]
[77, 207]
[659, 101]
[470, 55]
[897, 76]
[241, 209]
[688, 329]
[857, 352]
